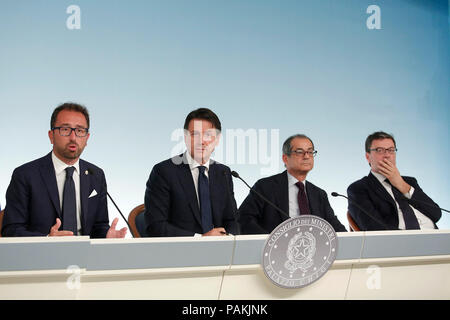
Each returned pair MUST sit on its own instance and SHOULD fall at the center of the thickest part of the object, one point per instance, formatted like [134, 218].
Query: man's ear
[187, 140]
[50, 136]
[217, 138]
[284, 158]
[367, 158]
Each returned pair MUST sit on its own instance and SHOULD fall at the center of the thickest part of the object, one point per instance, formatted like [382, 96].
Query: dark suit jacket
[370, 194]
[257, 216]
[171, 205]
[32, 200]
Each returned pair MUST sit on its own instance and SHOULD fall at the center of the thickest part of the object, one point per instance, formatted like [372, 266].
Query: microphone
[236, 175]
[335, 194]
[92, 172]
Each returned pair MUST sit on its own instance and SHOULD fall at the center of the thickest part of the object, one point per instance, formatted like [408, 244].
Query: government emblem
[299, 251]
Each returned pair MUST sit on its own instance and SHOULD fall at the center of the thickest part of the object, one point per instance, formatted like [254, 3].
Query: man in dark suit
[60, 194]
[192, 194]
[289, 191]
[391, 201]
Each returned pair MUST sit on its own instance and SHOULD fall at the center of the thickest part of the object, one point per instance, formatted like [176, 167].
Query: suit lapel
[380, 190]
[282, 193]
[185, 178]
[48, 175]
[214, 193]
[312, 196]
[85, 187]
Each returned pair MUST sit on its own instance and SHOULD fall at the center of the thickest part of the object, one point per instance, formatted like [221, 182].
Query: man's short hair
[287, 144]
[203, 114]
[71, 107]
[378, 136]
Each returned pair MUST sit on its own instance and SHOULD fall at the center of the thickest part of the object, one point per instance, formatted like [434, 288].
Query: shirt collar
[60, 166]
[194, 164]
[293, 180]
[379, 177]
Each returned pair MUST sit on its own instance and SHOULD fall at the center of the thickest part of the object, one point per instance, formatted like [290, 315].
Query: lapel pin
[86, 172]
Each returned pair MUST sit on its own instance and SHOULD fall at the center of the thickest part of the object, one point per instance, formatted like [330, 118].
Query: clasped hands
[216, 232]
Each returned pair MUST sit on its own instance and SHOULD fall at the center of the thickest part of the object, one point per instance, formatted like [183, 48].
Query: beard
[71, 154]
[66, 153]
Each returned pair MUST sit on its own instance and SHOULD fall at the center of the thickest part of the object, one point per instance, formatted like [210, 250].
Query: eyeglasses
[207, 135]
[301, 152]
[67, 131]
[380, 150]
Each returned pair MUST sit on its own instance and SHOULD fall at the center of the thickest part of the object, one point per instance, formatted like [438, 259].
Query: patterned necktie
[69, 209]
[302, 199]
[408, 213]
[205, 202]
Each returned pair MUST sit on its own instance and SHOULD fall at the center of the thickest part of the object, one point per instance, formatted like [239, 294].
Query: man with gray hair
[289, 191]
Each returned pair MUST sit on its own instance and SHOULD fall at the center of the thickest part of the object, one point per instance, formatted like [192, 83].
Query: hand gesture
[113, 233]
[54, 230]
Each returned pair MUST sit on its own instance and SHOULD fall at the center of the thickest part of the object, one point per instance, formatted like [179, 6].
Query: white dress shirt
[193, 165]
[294, 210]
[424, 221]
[60, 171]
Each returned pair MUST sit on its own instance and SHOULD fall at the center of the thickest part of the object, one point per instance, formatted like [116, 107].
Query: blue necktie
[408, 213]
[205, 202]
[69, 207]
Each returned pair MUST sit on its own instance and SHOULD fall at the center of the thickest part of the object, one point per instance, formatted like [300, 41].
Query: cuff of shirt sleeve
[410, 193]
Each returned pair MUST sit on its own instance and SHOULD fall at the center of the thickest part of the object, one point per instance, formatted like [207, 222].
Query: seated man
[390, 200]
[191, 194]
[289, 191]
[60, 194]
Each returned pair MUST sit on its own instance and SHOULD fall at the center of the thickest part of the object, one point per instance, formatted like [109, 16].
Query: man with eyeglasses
[60, 194]
[391, 201]
[289, 191]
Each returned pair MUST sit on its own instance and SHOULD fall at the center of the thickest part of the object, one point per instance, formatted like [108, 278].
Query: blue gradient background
[308, 67]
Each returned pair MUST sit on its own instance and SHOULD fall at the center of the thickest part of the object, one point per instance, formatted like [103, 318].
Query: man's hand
[390, 171]
[113, 233]
[55, 233]
[216, 232]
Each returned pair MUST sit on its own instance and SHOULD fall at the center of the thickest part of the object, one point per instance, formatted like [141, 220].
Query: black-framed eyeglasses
[67, 131]
[381, 150]
[301, 152]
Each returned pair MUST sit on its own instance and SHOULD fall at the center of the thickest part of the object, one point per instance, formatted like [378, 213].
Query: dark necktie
[408, 213]
[205, 202]
[302, 199]
[69, 207]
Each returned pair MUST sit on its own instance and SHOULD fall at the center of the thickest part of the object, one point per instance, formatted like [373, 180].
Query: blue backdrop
[333, 70]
